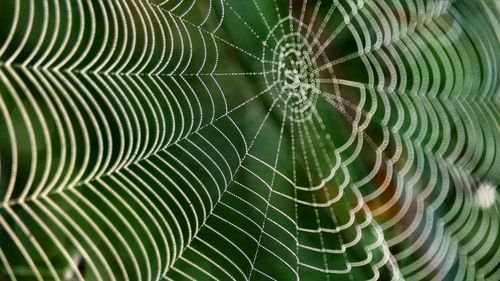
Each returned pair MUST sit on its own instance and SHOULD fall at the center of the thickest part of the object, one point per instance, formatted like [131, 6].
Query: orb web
[238, 140]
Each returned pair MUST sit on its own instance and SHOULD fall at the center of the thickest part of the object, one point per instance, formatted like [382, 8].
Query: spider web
[236, 140]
